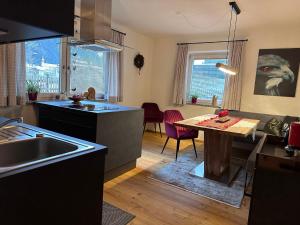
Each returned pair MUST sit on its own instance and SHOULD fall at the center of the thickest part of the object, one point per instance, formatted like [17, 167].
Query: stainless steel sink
[20, 147]
[19, 152]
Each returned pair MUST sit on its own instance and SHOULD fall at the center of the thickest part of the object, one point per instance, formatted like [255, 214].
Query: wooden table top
[242, 128]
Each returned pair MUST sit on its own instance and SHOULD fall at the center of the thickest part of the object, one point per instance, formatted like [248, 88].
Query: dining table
[218, 138]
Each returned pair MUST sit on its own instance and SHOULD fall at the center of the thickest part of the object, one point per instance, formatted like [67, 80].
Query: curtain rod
[208, 42]
[119, 32]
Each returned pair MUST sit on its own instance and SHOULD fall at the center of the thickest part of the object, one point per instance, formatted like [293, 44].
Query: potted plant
[194, 99]
[32, 90]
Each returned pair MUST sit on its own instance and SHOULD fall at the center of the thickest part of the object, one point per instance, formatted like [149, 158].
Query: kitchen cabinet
[61, 189]
[34, 19]
[118, 127]
[276, 186]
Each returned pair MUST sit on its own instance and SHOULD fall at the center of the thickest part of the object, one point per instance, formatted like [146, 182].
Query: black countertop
[87, 106]
[7, 171]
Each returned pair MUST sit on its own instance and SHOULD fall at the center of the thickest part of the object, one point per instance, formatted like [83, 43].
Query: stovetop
[90, 107]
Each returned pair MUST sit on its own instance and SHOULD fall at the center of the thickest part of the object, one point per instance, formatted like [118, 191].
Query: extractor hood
[92, 26]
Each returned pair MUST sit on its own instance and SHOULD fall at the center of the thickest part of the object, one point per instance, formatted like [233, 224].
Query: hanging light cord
[229, 32]
[233, 40]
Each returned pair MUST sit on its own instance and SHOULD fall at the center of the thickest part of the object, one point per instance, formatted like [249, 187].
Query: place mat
[214, 123]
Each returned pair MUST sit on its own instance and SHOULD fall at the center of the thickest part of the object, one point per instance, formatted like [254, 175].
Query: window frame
[201, 55]
[64, 71]
[62, 66]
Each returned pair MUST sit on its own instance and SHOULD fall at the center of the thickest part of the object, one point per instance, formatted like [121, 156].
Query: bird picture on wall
[277, 72]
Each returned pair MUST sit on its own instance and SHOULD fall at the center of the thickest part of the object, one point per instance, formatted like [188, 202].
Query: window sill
[204, 105]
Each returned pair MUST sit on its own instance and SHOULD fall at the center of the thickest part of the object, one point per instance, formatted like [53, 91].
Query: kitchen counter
[120, 128]
[87, 106]
[65, 186]
[30, 132]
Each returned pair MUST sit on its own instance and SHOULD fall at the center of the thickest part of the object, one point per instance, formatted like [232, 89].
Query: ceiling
[191, 17]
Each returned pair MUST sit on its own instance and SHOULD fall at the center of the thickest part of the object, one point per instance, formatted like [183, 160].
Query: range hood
[92, 26]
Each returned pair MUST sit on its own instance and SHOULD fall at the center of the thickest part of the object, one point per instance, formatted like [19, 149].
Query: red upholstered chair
[178, 133]
[152, 114]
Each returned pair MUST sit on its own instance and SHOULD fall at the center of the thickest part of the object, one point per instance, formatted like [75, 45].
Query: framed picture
[277, 72]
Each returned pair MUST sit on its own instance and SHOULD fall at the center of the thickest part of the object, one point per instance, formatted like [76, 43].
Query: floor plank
[157, 203]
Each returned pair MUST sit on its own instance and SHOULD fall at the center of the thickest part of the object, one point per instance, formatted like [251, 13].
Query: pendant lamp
[225, 67]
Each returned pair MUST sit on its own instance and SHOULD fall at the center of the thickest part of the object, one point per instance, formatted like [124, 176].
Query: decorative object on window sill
[33, 89]
[90, 94]
[139, 62]
[227, 68]
[214, 101]
[194, 99]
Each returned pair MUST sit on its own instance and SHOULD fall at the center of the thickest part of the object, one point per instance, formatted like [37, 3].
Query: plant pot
[194, 100]
[32, 96]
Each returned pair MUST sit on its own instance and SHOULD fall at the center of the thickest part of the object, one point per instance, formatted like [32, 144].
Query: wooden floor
[156, 203]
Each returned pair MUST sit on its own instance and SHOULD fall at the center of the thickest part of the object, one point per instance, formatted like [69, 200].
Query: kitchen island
[120, 128]
[48, 178]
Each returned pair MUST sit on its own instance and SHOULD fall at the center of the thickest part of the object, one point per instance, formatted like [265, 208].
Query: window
[205, 80]
[47, 60]
[86, 70]
[43, 64]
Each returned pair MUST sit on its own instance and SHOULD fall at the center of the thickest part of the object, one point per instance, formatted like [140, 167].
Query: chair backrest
[150, 108]
[172, 116]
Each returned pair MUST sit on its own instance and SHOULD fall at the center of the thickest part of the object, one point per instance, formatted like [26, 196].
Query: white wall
[163, 72]
[276, 37]
[165, 56]
[136, 88]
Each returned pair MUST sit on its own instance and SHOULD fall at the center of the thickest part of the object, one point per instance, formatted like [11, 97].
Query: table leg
[217, 155]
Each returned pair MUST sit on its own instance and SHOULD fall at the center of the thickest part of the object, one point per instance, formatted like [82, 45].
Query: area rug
[177, 173]
[112, 215]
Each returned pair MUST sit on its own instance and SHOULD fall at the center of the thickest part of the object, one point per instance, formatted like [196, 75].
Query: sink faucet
[6, 122]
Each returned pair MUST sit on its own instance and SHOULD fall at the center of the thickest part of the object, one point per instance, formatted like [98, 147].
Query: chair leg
[165, 145]
[144, 127]
[177, 148]
[160, 129]
[155, 127]
[195, 147]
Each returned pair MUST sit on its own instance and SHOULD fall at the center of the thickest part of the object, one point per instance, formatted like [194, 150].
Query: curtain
[179, 96]
[113, 71]
[12, 74]
[233, 84]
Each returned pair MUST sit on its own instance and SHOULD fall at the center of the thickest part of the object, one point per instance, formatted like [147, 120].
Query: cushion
[274, 127]
[290, 119]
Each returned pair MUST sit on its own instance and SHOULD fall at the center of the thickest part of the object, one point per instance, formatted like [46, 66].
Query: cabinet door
[72, 123]
[276, 193]
[36, 19]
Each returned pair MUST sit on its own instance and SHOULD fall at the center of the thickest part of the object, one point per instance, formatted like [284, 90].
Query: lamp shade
[226, 69]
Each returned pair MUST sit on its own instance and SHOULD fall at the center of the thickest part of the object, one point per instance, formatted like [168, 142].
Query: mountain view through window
[43, 64]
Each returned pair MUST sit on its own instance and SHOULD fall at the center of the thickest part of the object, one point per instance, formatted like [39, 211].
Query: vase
[32, 96]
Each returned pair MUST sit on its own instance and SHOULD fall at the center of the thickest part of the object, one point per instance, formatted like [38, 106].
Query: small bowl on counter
[76, 99]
